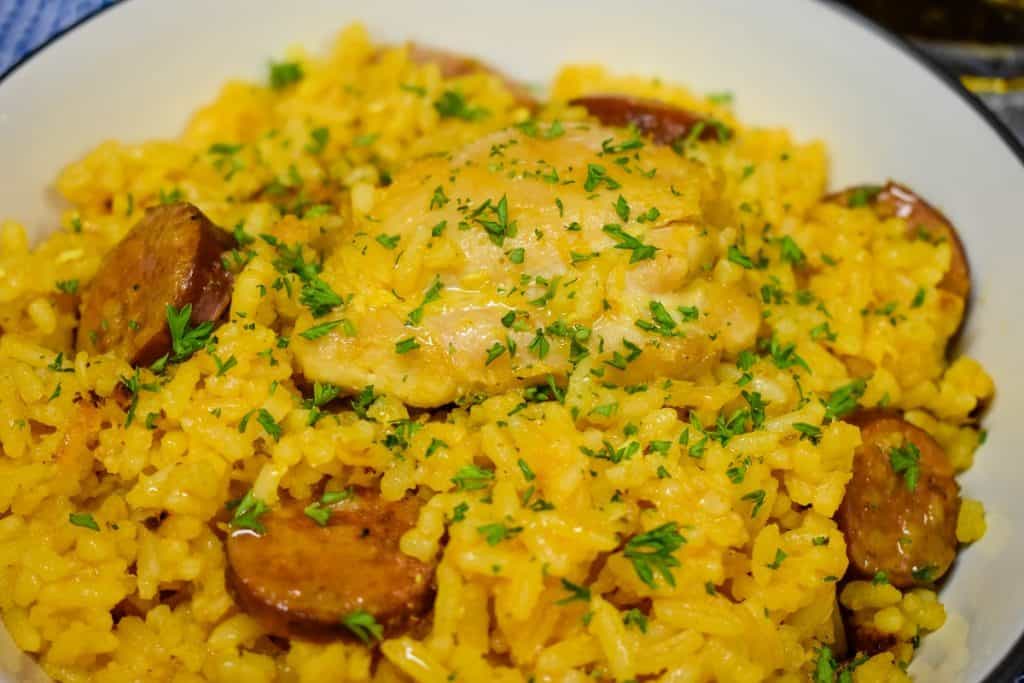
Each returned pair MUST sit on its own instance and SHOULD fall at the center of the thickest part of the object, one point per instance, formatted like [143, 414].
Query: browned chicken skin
[922, 218]
[662, 122]
[908, 534]
[171, 257]
[301, 579]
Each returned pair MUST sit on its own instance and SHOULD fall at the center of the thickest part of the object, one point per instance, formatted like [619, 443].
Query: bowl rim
[1011, 666]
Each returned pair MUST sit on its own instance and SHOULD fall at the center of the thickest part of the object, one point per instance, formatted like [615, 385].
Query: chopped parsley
[791, 251]
[318, 513]
[170, 197]
[67, 286]
[744, 362]
[924, 574]
[248, 511]
[576, 593]
[610, 147]
[620, 361]
[266, 421]
[435, 444]
[635, 617]
[388, 241]
[452, 104]
[663, 322]
[736, 255]
[758, 498]
[333, 497]
[808, 431]
[497, 226]
[780, 555]
[906, 460]
[322, 394]
[57, 365]
[825, 666]
[432, 294]
[438, 199]
[622, 209]
[785, 356]
[459, 512]
[528, 474]
[688, 313]
[185, 340]
[737, 473]
[320, 330]
[862, 196]
[597, 176]
[133, 385]
[916, 302]
[318, 138]
[84, 520]
[843, 400]
[472, 478]
[652, 552]
[283, 74]
[624, 240]
[224, 148]
[318, 297]
[823, 331]
[363, 626]
[496, 533]
[319, 510]
[540, 345]
[494, 352]
[757, 406]
[406, 345]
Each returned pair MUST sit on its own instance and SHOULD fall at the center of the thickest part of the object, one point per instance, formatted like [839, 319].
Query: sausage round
[301, 579]
[907, 533]
[894, 199]
[662, 122]
[171, 257]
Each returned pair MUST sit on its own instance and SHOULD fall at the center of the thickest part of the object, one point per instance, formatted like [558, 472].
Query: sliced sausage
[171, 257]
[302, 579]
[907, 532]
[922, 219]
[663, 123]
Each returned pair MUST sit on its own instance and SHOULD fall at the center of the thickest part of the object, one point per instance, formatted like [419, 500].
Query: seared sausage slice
[662, 122]
[171, 257]
[301, 579]
[892, 523]
[922, 218]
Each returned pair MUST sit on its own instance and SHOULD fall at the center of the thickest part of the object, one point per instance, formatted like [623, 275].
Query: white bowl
[137, 70]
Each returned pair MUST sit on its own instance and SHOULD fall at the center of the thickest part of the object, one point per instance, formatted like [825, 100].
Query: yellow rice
[731, 615]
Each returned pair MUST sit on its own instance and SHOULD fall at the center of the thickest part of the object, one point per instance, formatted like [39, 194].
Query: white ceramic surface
[138, 69]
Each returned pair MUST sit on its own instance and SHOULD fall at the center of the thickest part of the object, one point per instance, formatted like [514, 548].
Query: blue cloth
[26, 24]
